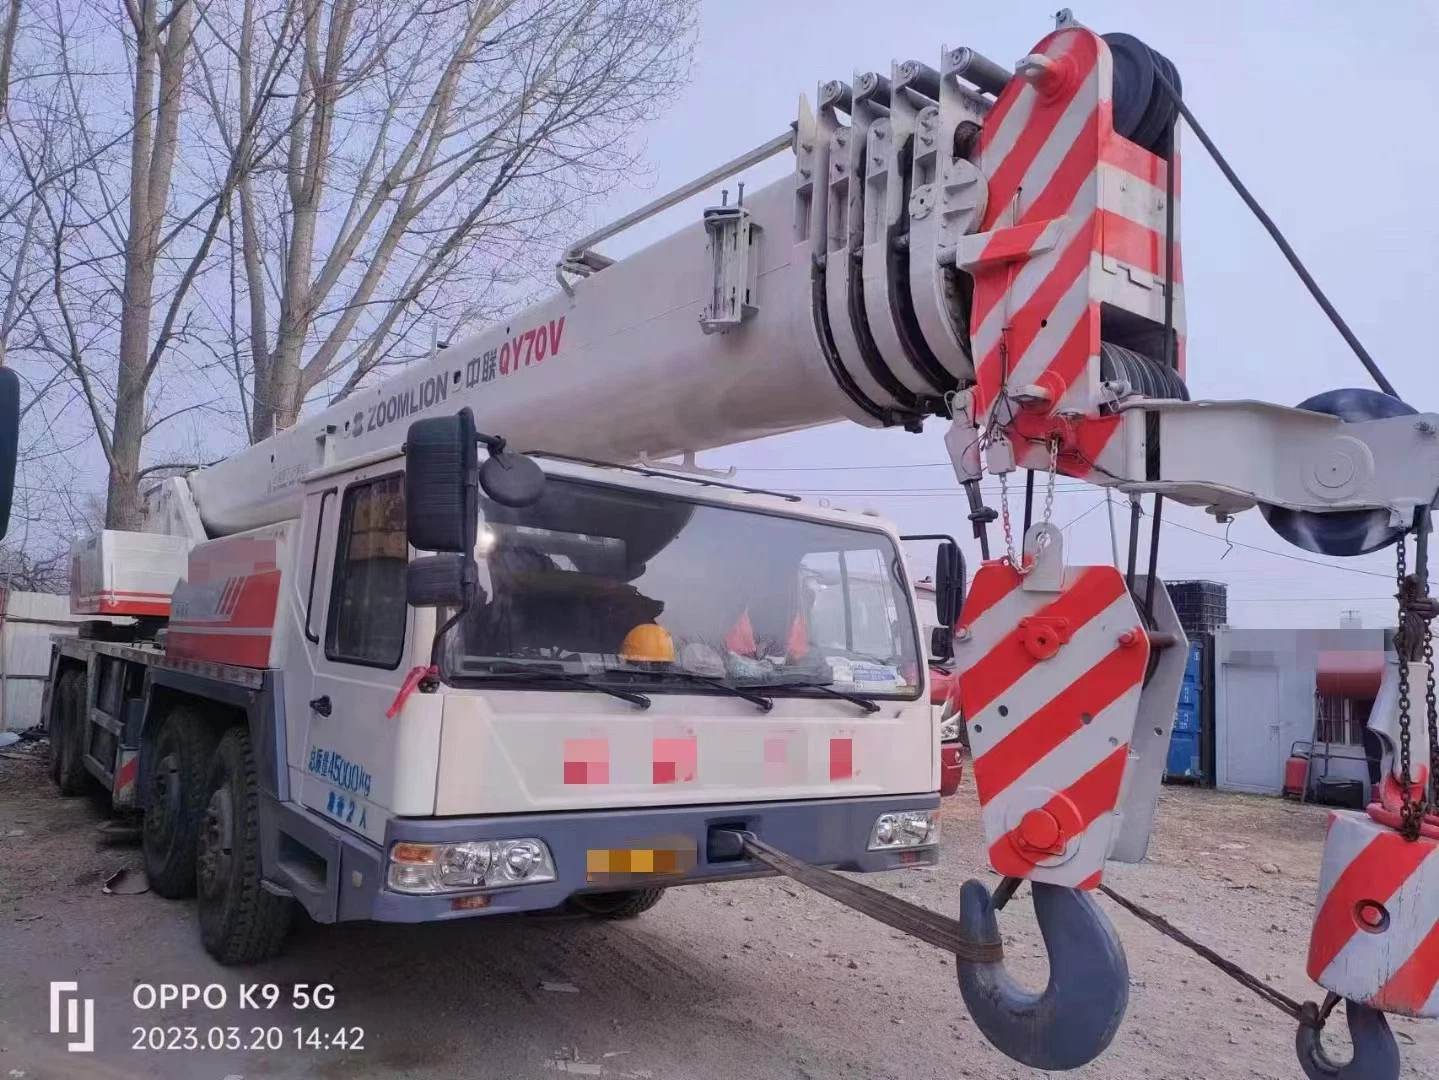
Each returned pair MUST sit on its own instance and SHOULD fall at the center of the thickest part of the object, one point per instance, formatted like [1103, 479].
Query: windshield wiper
[863, 702]
[505, 670]
[765, 704]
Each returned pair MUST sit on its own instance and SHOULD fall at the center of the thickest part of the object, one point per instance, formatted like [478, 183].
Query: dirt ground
[757, 979]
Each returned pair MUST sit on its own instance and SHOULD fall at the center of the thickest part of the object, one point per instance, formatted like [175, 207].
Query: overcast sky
[1326, 110]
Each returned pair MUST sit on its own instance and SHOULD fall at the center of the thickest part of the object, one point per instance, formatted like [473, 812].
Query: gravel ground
[754, 979]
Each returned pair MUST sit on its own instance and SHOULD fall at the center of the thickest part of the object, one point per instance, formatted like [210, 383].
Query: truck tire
[175, 763]
[67, 734]
[617, 905]
[240, 921]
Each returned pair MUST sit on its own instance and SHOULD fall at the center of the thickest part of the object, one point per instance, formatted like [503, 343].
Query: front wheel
[617, 905]
[240, 921]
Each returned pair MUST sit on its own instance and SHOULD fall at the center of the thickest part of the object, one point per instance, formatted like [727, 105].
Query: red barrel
[1295, 769]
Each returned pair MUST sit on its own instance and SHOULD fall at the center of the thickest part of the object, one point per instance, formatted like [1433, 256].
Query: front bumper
[832, 833]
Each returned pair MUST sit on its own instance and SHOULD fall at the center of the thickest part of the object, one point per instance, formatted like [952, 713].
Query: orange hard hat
[648, 643]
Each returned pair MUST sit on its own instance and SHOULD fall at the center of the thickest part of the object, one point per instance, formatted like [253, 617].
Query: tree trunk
[152, 159]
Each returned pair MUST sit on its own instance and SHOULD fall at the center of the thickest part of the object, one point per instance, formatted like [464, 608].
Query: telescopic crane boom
[998, 247]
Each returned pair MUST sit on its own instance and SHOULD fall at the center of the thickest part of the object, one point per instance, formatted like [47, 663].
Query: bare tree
[9, 31]
[433, 156]
[22, 571]
[214, 211]
[131, 203]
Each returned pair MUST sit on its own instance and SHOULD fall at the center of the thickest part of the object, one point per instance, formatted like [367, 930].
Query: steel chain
[1432, 707]
[1049, 484]
[1016, 560]
[1409, 814]
[1008, 526]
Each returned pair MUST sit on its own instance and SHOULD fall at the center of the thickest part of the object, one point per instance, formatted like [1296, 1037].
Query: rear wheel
[174, 765]
[67, 733]
[240, 921]
[617, 905]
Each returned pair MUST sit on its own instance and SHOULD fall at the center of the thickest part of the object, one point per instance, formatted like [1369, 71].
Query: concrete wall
[1264, 703]
[27, 621]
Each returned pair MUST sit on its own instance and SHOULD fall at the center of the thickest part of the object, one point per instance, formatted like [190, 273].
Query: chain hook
[1075, 1017]
[1376, 1053]
[1021, 563]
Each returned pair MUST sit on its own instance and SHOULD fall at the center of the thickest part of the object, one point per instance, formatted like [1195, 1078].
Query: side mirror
[9, 442]
[948, 584]
[941, 642]
[440, 580]
[443, 478]
[512, 479]
[441, 483]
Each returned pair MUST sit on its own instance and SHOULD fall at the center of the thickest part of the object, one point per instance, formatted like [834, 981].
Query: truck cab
[624, 668]
[641, 663]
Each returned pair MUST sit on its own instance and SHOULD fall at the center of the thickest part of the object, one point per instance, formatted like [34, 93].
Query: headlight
[905, 829]
[476, 864]
[949, 729]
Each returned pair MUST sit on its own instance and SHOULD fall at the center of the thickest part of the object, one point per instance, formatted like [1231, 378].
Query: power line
[927, 493]
[1083, 514]
[1309, 599]
[1277, 554]
[843, 468]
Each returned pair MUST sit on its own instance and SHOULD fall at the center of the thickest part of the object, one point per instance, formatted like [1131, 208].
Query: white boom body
[618, 369]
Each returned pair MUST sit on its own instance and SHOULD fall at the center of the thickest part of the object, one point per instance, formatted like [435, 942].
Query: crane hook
[1075, 1018]
[1376, 1053]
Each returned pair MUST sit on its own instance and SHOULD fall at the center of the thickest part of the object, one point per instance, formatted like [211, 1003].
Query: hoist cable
[1278, 237]
[1306, 1013]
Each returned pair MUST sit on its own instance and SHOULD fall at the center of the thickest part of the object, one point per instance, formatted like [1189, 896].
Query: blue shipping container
[1186, 718]
[1183, 762]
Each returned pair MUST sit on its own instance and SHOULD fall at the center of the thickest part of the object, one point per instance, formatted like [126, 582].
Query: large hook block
[1074, 1019]
[1376, 925]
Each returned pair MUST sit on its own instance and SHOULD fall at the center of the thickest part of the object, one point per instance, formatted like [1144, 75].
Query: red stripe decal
[1376, 873]
[1002, 105]
[1409, 988]
[1025, 323]
[1134, 244]
[1093, 589]
[994, 581]
[1008, 174]
[243, 650]
[1073, 357]
[1083, 441]
[1053, 723]
[132, 607]
[1010, 243]
[1137, 162]
[1073, 171]
[128, 774]
[1075, 809]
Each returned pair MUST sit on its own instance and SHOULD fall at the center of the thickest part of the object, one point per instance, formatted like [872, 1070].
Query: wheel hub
[216, 852]
[163, 806]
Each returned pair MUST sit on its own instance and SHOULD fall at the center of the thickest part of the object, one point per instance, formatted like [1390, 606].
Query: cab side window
[366, 623]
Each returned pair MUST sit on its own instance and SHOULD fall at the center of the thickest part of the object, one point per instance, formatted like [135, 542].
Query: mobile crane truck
[369, 676]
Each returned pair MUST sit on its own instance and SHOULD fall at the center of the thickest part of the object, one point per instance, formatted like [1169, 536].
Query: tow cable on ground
[929, 926]
[945, 933]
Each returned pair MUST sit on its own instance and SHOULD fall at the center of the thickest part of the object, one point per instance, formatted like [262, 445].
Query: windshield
[638, 588]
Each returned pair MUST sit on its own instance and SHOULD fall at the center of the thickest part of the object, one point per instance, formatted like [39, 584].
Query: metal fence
[27, 622]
